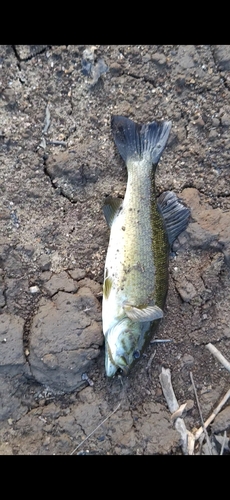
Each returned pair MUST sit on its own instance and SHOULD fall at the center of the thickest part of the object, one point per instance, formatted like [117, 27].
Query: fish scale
[137, 271]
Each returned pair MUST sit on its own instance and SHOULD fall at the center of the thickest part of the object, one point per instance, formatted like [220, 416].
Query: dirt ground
[58, 162]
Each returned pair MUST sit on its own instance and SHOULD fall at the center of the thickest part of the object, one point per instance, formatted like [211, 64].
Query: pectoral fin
[148, 313]
[107, 285]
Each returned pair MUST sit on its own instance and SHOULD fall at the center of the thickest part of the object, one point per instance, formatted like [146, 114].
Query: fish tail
[140, 142]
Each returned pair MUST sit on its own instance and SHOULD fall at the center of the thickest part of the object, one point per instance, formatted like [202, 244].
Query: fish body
[142, 230]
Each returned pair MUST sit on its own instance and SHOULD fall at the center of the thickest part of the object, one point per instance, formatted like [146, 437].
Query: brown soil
[58, 162]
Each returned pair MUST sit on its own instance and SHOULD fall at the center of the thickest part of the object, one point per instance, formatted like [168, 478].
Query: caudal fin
[137, 142]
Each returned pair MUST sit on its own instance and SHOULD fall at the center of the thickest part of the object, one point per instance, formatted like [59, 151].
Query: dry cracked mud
[58, 162]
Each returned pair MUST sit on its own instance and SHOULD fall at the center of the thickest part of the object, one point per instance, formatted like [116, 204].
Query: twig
[47, 120]
[179, 412]
[223, 443]
[213, 415]
[219, 356]
[150, 360]
[87, 437]
[43, 143]
[200, 413]
[181, 428]
[191, 443]
[57, 143]
[160, 341]
[165, 380]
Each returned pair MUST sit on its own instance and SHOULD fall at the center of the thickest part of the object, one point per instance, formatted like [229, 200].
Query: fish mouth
[111, 366]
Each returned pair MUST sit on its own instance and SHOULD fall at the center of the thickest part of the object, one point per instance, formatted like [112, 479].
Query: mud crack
[138, 77]
[35, 52]
[27, 330]
[57, 188]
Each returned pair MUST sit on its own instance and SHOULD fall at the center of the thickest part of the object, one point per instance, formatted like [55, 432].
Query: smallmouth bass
[142, 230]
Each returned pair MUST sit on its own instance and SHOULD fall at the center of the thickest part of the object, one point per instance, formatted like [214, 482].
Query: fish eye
[136, 354]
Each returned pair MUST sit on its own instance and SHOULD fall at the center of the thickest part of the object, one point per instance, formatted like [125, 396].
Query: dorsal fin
[111, 208]
[175, 214]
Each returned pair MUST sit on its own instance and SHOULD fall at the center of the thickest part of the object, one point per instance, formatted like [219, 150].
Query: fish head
[123, 345]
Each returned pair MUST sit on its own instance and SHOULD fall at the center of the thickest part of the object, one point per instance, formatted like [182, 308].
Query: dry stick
[160, 341]
[87, 437]
[213, 415]
[47, 120]
[179, 412]
[226, 365]
[57, 143]
[201, 416]
[219, 356]
[166, 384]
[165, 380]
[223, 443]
[150, 360]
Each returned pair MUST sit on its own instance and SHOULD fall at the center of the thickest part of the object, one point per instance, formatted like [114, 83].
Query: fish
[142, 230]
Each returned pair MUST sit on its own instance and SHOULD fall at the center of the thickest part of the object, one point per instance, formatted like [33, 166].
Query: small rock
[45, 262]
[210, 229]
[50, 361]
[2, 299]
[222, 421]
[199, 122]
[93, 285]
[159, 59]
[34, 289]
[186, 55]
[91, 67]
[206, 449]
[222, 56]
[115, 69]
[77, 274]
[46, 441]
[60, 281]
[186, 290]
[220, 440]
[208, 398]
[213, 134]
[225, 120]
[215, 122]
[189, 405]
[188, 359]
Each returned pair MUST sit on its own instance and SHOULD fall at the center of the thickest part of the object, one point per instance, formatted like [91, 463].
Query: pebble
[222, 421]
[159, 58]
[188, 359]
[34, 289]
